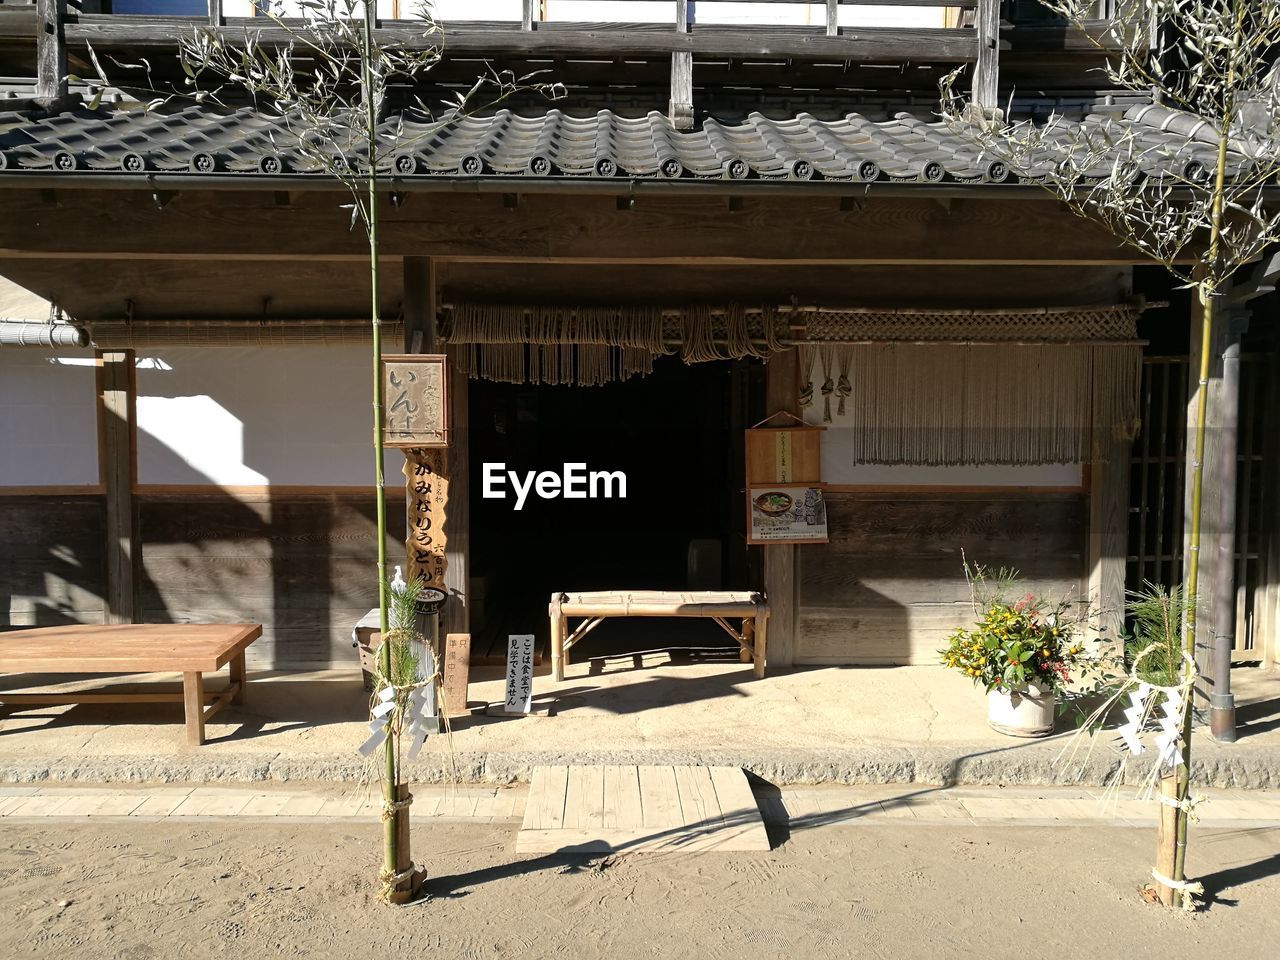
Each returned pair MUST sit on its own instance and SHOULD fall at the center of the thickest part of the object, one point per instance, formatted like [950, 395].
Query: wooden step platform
[624, 809]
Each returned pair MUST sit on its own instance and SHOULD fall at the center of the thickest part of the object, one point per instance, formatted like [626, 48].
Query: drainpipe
[34, 333]
[1222, 702]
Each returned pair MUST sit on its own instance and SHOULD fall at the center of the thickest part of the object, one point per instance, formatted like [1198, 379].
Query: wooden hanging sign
[427, 492]
[791, 453]
[784, 482]
[415, 402]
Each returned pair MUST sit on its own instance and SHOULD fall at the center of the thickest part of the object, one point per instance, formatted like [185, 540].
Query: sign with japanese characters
[786, 514]
[457, 665]
[414, 402]
[519, 673]
[427, 490]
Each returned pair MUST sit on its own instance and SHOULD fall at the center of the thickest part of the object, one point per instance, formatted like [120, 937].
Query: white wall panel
[257, 415]
[48, 417]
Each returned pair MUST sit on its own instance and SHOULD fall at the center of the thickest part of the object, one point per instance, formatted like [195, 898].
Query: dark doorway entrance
[676, 435]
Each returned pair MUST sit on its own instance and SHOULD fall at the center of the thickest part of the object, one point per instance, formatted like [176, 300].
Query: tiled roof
[203, 141]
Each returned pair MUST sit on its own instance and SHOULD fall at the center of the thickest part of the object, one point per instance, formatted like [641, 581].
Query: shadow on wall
[240, 517]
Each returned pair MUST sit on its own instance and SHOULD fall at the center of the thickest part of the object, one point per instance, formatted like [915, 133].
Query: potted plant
[1023, 650]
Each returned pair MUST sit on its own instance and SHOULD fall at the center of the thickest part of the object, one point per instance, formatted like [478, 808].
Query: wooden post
[986, 72]
[1109, 536]
[680, 110]
[216, 18]
[526, 15]
[1207, 626]
[761, 644]
[1222, 707]
[833, 18]
[238, 676]
[1268, 617]
[117, 395]
[193, 705]
[780, 560]
[51, 49]
[1166, 837]
[559, 624]
[421, 299]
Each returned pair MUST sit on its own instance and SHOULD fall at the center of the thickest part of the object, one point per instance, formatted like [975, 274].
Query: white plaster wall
[48, 417]
[257, 415]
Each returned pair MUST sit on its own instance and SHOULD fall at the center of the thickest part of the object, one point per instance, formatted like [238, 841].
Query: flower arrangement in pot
[1023, 649]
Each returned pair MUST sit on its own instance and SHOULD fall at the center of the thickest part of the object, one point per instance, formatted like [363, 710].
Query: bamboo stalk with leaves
[1202, 208]
[327, 90]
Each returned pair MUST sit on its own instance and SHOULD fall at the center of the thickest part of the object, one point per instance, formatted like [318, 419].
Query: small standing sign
[457, 663]
[519, 674]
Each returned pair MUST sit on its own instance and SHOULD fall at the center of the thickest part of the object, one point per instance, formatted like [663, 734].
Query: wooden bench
[718, 605]
[190, 649]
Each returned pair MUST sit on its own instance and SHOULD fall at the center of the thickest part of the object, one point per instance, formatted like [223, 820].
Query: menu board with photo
[791, 513]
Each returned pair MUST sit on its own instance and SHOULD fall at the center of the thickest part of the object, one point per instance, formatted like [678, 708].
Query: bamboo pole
[392, 846]
[1208, 290]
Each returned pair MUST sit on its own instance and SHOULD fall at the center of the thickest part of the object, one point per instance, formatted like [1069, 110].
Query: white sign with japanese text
[519, 673]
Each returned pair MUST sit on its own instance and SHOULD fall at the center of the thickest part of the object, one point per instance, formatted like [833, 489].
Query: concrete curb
[1036, 763]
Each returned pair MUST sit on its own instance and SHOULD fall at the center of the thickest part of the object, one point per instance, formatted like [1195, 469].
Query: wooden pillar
[420, 305]
[986, 72]
[1267, 615]
[781, 583]
[1214, 488]
[833, 18]
[51, 49]
[216, 18]
[117, 456]
[1109, 536]
[680, 111]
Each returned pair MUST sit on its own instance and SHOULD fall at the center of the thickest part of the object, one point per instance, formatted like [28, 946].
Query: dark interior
[677, 435]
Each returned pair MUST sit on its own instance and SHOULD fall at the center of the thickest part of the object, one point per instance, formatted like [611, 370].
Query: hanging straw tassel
[827, 384]
[842, 385]
[808, 352]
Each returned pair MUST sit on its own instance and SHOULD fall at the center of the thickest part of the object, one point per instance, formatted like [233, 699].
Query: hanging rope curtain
[975, 387]
[1021, 385]
[592, 345]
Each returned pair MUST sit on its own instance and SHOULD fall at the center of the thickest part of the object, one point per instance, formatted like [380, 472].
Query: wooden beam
[51, 49]
[118, 456]
[231, 226]
[680, 107]
[986, 72]
[781, 584]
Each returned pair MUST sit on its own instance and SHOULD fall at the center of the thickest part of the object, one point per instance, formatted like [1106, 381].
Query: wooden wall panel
[302, 565]
[890, 585]
[52, 564]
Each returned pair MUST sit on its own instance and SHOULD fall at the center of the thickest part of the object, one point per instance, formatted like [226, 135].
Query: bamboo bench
[190, 649]
[718, 605]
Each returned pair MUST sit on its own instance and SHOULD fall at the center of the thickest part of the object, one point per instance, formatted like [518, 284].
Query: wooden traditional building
[716, 223]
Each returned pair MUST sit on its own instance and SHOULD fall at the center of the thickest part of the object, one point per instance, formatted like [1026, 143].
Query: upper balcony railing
[688, 32]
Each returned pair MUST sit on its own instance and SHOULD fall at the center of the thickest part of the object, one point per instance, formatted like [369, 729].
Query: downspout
[1222, 703]
[38, 333]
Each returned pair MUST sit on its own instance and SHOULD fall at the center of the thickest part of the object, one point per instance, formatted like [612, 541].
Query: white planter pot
[1027, 712]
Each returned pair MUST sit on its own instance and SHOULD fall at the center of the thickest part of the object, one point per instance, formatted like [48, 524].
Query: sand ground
[253, 889]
